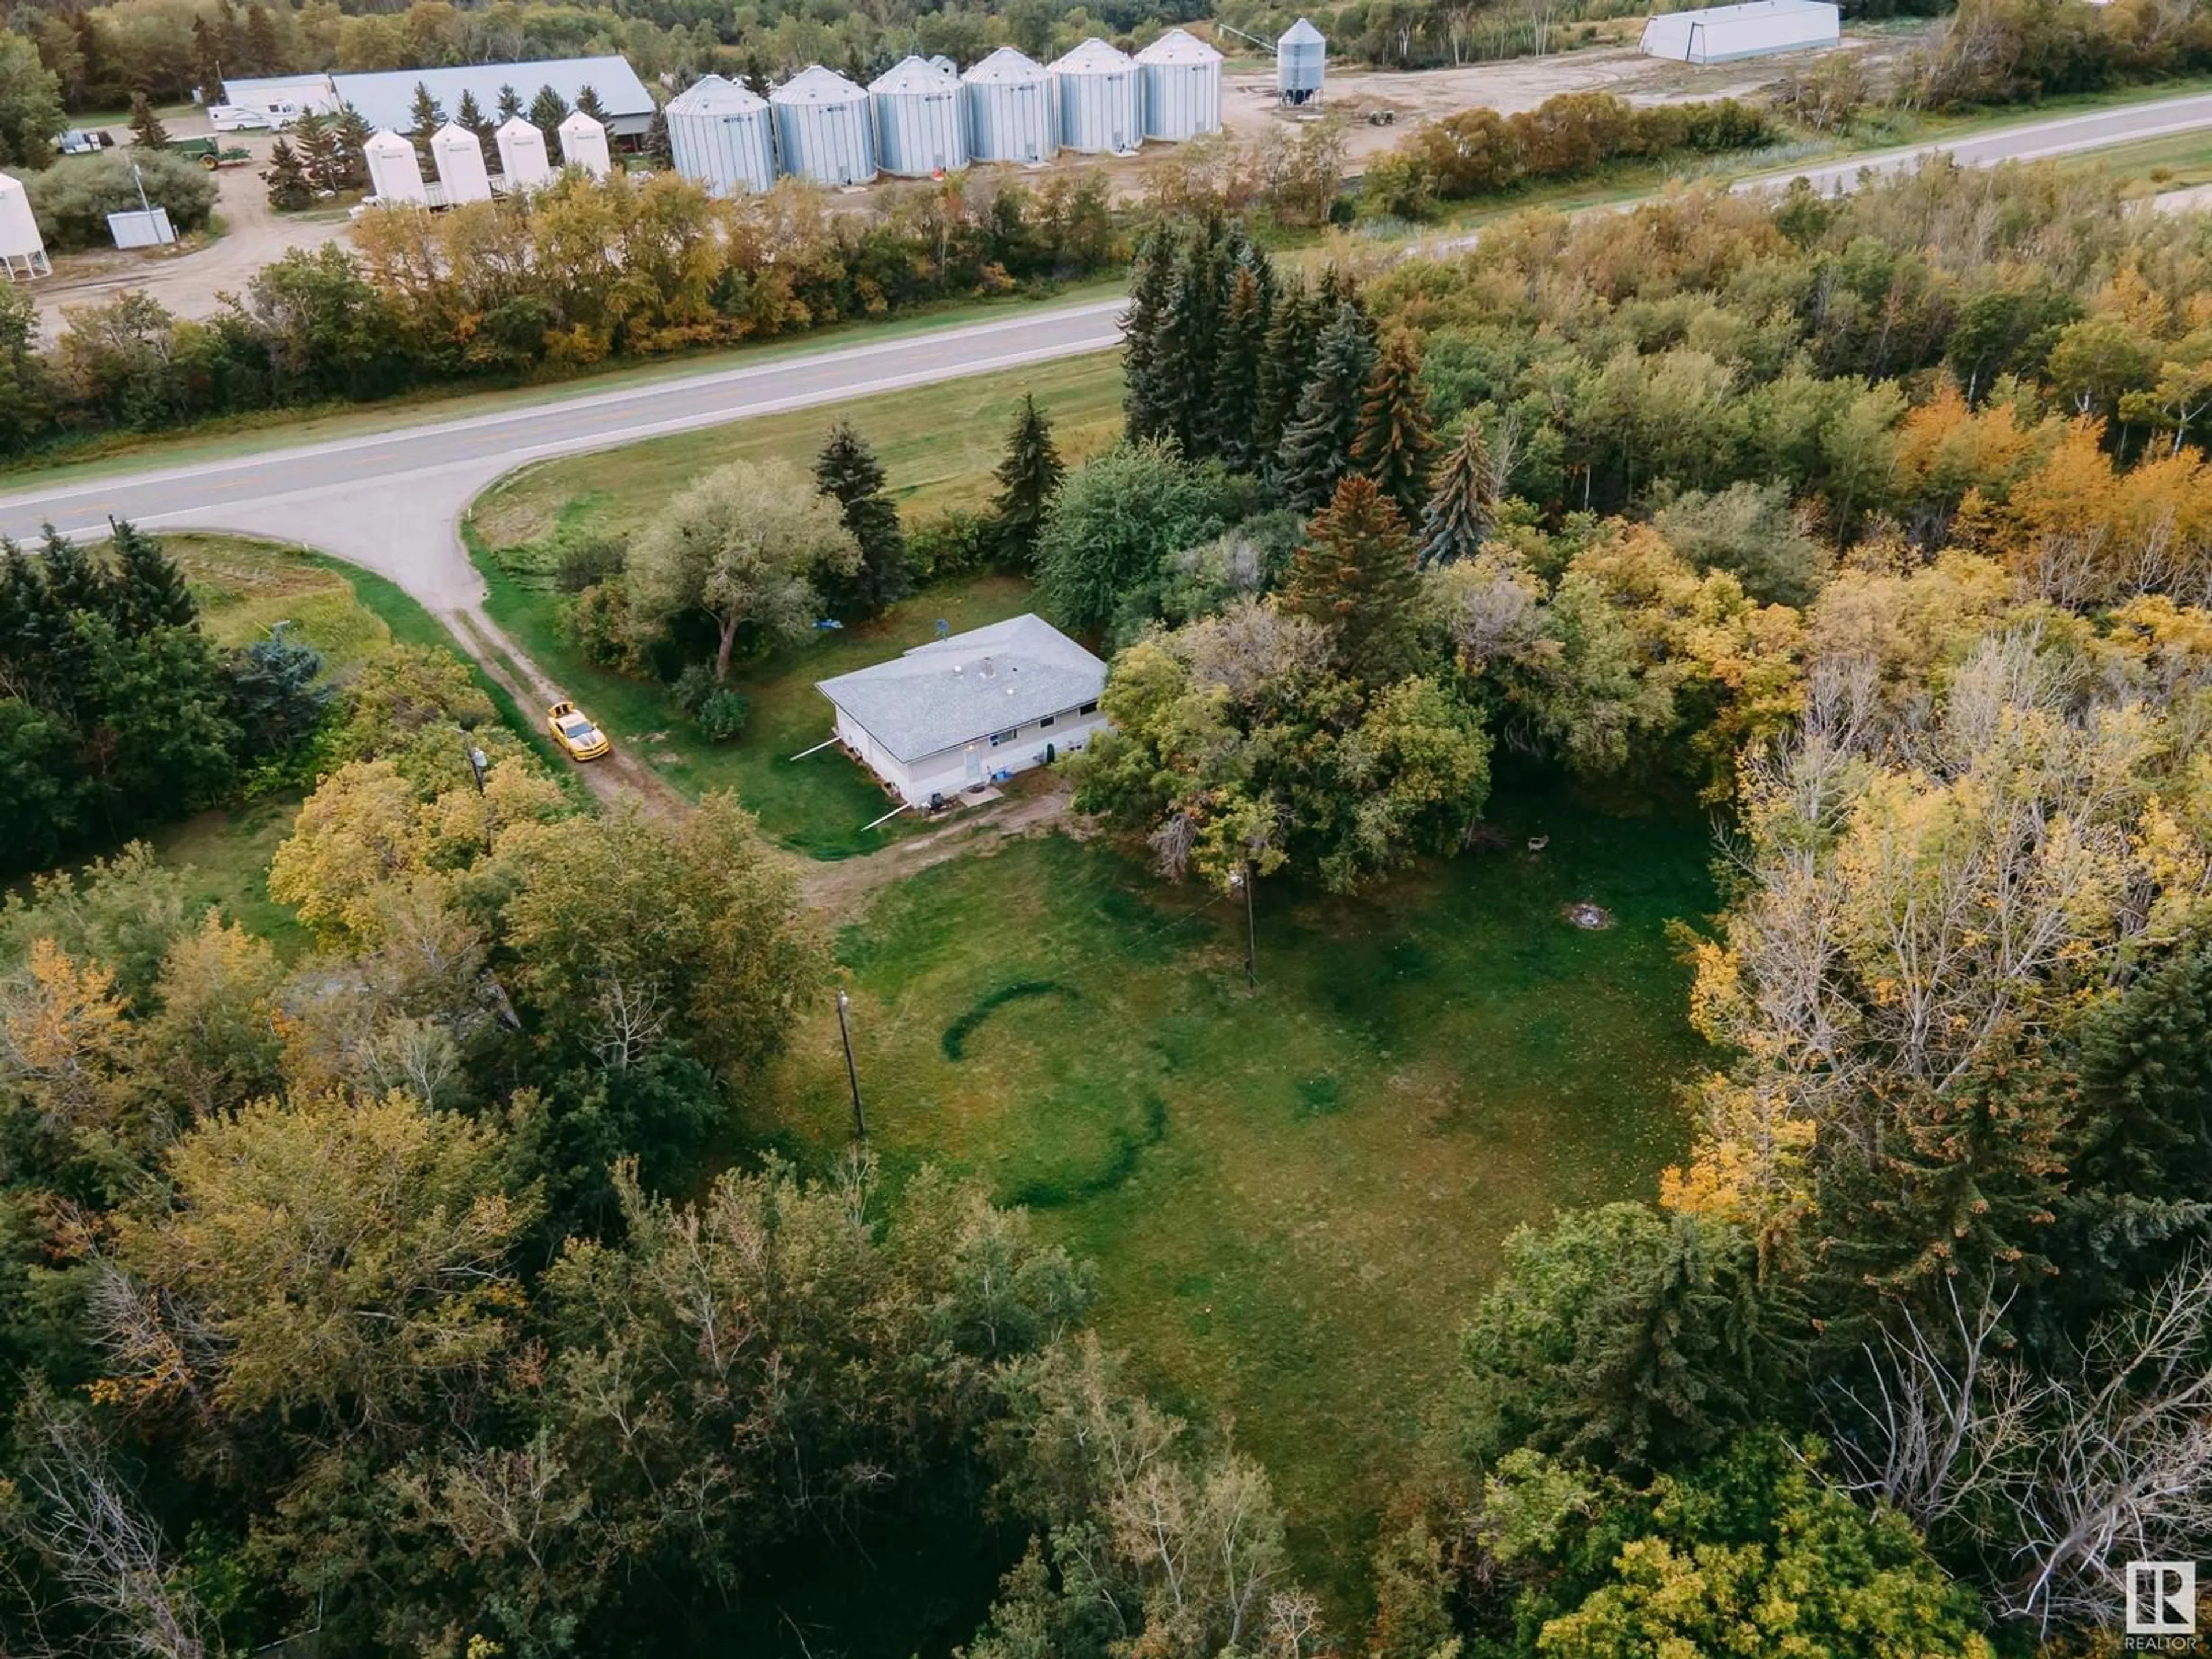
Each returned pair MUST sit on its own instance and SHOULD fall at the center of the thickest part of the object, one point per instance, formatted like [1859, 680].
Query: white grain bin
[22, 250]
[1301, 63]
[825, 129]
[1182, 77]
[394, 174]
[522, 154]
[1721, 35]
[1101, 106]
[921, 120]
[1009, 110]
[584, 144]
[723, 134]
[458, 154]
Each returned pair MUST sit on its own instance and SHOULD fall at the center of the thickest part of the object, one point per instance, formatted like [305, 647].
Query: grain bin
[1101, 108]
[394, 174]
[522, 154]
[22, 250]
[824, 128]
[921, 120]
[1301, 63]
[723, 134]
[1181, 78]
[458, 154]
[1010, 109]
[584, 144]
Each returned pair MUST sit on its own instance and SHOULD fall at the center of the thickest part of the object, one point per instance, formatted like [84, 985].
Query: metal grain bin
[394, 174]
[1301, 63]
[459, 155]
[825, 129]
[921, 120]
[723, 134]
[1182, 77]
[522, 154]
[584, 144]
[1010, 117]
[1101, 102]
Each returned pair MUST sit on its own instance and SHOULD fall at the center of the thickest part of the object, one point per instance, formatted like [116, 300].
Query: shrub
[73, 198]
[582, 561]
[722, 715]
[693, 686]
[952, 544]
[600, 623]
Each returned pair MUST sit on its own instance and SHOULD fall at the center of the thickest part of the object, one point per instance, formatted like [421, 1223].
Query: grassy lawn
[1294, 1197]
[938, 447]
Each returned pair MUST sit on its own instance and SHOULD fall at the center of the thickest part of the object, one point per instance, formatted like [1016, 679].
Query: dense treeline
[2004, 52]
[585, 271]
[115, 712]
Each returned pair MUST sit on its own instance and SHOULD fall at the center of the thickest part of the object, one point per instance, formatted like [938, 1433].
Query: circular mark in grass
[1584, 914]
[955, 1040]
[1319, 1095]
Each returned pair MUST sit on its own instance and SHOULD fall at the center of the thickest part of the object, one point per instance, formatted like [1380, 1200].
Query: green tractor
[208, 153]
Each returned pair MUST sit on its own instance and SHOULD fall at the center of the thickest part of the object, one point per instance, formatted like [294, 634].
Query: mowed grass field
[1295, 1196]
[939, 448]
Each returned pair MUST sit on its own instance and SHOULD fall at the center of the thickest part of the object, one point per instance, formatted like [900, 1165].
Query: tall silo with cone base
[1301, 63]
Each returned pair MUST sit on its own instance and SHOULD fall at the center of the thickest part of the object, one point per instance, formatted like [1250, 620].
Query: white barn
[962, 711]
[1721, 35]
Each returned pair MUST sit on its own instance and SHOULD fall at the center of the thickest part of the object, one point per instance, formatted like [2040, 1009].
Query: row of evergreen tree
[1289, 380]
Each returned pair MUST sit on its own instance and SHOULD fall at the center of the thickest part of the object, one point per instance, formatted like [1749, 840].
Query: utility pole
[478, 761]
[852, 1072]
[1241, 876]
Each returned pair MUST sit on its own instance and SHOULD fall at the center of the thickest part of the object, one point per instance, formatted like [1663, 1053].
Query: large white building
[962, 711]
[1721, 35]
[386, 99]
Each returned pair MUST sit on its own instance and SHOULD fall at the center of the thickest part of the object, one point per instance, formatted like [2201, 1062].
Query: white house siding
[945, 772]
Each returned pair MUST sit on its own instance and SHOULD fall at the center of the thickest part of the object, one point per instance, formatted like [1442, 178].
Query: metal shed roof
[385, 99]
[958, 690]
[816, 85]
[711, 95]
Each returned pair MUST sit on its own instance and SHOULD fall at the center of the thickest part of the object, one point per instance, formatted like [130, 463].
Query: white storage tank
[22, 250]
[825, 129]
[1101, 105]
[722, 135]
[1010, 109]
[394, 174]
[1722, 35]
[1301, 63]
[522, 154]
[921, 120]
[458, 156]
[584, 144]
[1182, 77]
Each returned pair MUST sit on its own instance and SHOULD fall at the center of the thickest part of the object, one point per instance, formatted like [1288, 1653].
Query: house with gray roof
[963, 711]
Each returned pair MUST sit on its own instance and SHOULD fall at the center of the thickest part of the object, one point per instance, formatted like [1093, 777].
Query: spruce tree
[1462, 509]
[289, 191]
[73, 580]
[1144, 415]
[658, 144]
[261, 47]
[547, 111]
[510, 102]
[426, 117]
[1395, 438]
[352, 130]
[147, 131]
[470, 116]
[207, 60]
[1316, 447]
[847, 471]
[1029, 477]
[1239, 353]
[587, 100]
[316, 142]
[149, 590]
[1285, 366]
[1354, 574]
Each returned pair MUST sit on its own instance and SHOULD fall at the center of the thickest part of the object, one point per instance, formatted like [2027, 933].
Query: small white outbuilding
[394, 173]
[1721, 35]
[22, 250]
[459, 155]
[584, 144]
[522, 154]
[958, 712]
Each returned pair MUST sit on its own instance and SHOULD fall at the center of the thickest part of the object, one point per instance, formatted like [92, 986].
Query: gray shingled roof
[956, 690]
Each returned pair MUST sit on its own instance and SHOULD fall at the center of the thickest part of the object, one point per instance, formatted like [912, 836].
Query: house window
[1046, 721]
[998, 737]
[1088, 709]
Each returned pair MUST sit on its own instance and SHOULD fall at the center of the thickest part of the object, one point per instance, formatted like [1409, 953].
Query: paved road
[393, 501]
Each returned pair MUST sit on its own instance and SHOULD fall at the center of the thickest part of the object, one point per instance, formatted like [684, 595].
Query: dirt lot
[191, 280]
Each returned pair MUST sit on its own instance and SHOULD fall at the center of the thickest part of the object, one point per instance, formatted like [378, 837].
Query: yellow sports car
[573, 730]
